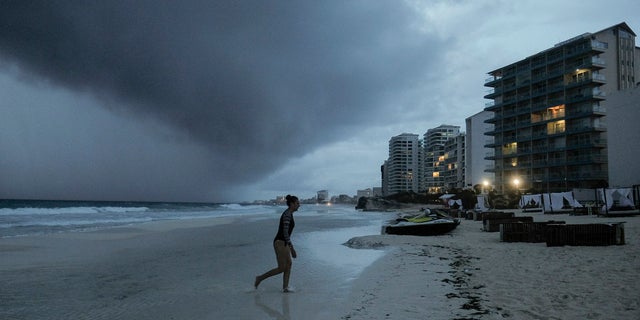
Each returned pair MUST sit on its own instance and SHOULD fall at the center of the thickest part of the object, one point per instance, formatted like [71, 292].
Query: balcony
[493, 93]
[598, 95]
[586, 47]
[597, 78]
[555, 87]
[492, 143]
[583, 129]
[600, 78]
[491, 81]
[592, 63]
[558, 162]
[587, 176]
[596, 111]
[554, 56]
[586, 159]
[524, 151]
[599, 46]
[493, 120]
[523, 137]
[589, 144]
[492, 132]
[539, 163]
[540, 149]
[493, 106]
[597, 62]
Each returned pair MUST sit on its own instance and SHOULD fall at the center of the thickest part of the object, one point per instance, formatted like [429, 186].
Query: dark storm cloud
[254, 82]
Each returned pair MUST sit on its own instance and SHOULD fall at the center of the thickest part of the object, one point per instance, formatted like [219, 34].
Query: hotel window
[555, 127]
[510, 148]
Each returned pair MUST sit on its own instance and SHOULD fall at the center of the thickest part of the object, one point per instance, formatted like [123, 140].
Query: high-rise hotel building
[435, 166]
[549, 111]
[401, 172]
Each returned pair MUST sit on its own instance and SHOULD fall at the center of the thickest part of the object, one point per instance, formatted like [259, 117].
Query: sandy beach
[190, 269]
[204, 269]
[498, 280]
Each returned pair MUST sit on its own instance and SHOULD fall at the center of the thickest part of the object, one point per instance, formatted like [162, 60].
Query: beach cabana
[617, 198]
[531, 202]
[559, 201]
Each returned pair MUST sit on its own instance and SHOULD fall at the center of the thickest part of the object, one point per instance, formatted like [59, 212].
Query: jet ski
[426, 223]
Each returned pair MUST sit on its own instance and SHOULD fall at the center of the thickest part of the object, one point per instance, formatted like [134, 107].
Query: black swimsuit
[286, 227]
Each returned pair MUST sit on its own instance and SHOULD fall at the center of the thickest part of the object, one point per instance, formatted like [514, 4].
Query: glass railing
[599, 45]
[598, 93]
[586, 159]
[490, 79]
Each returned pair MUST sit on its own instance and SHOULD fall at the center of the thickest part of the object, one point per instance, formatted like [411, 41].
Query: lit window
[510, 148]
[555, 127]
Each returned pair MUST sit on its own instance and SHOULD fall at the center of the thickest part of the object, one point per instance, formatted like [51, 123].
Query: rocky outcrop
[379, 204]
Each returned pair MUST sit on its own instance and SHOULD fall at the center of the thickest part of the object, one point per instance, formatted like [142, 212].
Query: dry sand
[499, 280]
[204, 270]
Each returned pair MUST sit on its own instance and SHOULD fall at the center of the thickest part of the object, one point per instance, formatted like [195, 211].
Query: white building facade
[623, 134]
[402, 169]
[475, 150]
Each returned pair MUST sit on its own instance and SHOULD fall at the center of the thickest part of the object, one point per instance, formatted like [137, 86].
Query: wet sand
[195, 269]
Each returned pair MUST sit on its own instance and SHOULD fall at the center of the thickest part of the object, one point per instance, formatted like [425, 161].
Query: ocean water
[33, 217]
[30, 217]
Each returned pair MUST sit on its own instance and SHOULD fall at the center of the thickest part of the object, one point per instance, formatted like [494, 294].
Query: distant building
[364, 193]
[401, 171]
[434, 157]
[549, 111]
[454, 162]
[342, 198]
[475, 150]
[431, 165]
[322, 196]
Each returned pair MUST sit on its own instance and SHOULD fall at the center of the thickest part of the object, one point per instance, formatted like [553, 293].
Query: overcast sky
[222, 101]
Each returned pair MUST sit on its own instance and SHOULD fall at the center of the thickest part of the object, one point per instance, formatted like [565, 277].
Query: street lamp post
[516, 184]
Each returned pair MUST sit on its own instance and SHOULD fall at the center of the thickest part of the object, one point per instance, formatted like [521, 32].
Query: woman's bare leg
[283, 256]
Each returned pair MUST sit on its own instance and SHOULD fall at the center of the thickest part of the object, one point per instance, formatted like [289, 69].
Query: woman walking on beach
[283, 246]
